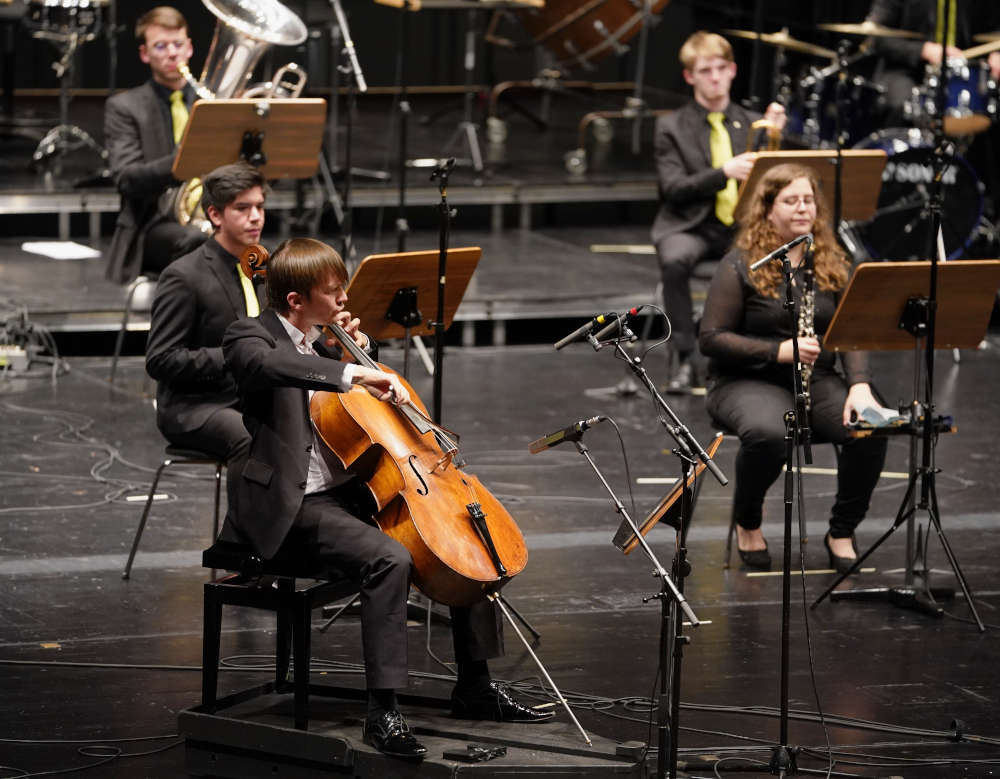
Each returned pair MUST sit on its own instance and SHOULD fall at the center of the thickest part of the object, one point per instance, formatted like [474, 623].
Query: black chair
[138, 299]
[292, 594]
[175, 455]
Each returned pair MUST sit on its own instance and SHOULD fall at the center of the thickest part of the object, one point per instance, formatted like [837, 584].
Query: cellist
[288, 497]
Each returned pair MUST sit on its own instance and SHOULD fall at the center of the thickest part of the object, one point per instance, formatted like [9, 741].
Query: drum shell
[583, 32]
[812, 115]
[971, 99]
[899, 229]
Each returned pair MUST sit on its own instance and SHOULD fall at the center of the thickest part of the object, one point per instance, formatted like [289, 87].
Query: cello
[464, 544]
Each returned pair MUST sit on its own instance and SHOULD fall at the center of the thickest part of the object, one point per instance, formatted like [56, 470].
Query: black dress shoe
[756, 559]
[388, 733]
[494, 702]
[838, 563]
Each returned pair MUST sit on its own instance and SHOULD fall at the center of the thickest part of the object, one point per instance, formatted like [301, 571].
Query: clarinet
[807, 318]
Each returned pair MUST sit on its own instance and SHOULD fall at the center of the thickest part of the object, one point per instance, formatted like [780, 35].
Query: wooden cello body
[421, 498]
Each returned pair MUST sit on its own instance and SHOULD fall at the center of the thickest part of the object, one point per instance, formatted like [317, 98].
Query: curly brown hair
[757, 236]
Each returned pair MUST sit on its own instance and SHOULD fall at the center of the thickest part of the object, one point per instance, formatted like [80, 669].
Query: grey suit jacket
[687, 181]
[141, 151]
[197, 297]
[266, 490]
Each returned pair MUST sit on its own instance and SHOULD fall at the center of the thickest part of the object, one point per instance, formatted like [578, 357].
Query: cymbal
[785, 41]
[987, 37]
[869, 28]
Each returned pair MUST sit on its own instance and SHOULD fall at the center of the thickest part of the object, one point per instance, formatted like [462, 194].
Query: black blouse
[741, 329]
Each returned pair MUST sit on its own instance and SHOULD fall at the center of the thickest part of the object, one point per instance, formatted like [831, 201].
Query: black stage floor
[89, 659]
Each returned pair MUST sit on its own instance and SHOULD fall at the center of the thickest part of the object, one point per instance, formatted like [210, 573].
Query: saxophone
[807, 318]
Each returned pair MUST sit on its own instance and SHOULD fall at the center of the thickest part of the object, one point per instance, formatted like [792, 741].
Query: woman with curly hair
[747, 336]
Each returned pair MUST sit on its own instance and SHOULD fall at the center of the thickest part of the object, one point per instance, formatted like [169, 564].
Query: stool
[268, 585]
[176, 455]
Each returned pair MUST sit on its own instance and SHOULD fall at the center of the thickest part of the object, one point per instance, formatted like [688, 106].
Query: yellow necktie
[721, 148]
[178, 114]
[951, 22]
[249, 293]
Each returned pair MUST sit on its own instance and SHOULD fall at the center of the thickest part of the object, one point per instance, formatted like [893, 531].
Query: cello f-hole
[424, 489]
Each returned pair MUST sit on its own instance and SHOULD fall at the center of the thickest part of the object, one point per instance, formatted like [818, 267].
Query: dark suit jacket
[197, 297]
[688, 183]
[141, 149]
[921, 16]
[266, 491]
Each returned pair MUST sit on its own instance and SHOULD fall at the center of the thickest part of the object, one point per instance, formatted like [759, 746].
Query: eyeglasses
[162, 47]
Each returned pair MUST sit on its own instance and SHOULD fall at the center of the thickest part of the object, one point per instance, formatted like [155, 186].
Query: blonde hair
[704, 44]
[757, 236]
[162, 16]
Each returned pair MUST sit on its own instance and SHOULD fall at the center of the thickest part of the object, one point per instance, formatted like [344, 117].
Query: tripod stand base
[923, 600]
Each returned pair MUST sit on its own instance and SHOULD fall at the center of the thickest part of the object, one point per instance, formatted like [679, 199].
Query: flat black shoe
[389, 734]
[840, 564]
[756, 559]
[496, 703]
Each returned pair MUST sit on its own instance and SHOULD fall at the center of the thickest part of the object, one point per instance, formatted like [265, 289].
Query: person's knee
[763, 442]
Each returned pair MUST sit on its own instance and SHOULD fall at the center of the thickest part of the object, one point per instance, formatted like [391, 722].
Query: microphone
[584, 330]
[619, 325]
[572, 433]
[782, 251]
[443, 168]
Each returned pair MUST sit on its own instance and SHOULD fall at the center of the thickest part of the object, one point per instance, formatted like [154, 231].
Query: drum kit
[816, 113]
[67, 24]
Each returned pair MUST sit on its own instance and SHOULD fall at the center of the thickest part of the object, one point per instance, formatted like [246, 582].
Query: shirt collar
[297, 335]
[164, 91]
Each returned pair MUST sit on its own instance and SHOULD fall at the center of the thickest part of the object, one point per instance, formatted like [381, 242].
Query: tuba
[244, 31]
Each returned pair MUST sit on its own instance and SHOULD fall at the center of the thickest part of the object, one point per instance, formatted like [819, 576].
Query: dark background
[435, 42]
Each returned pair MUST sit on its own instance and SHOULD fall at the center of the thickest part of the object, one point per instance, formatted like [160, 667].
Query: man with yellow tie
[142, 127]
[198, 296]
[902, 60]
[700, 158]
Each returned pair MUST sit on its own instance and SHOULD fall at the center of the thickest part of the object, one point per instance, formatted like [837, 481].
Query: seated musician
[292, 497]
[197, 297]
[700, 158]
[903, 59]
[747, 336]
[142, 127]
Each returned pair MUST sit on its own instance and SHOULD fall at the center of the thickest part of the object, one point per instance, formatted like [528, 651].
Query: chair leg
[211, 638]
[283, 639]
[729, 544]
[142, 521]
[301, 648]
[218, 494]
[122, 330]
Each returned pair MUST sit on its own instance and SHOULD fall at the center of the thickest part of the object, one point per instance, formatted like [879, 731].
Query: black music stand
[387, 290]
[965, 292]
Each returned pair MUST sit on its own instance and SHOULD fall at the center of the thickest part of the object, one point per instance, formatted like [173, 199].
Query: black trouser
[755, 409]
[223, 435]
[678, 255]
[329, 537]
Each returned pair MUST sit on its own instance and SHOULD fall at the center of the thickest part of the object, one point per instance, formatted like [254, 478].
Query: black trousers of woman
[754, 409]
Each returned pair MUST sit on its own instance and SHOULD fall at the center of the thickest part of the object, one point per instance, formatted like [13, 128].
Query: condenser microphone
[584, 330]
[572, 433]
[619, 326]
[782, 250]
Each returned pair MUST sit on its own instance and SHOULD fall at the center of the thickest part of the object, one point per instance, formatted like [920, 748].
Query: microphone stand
[441, 173]
[672, 638]
[352, 69]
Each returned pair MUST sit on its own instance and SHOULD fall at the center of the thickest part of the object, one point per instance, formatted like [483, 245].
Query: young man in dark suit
[142, 127]
[292, 498]
[197, 297]
[700, 158]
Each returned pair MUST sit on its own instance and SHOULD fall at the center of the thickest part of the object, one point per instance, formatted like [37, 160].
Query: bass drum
[580, 33]
[899, 229]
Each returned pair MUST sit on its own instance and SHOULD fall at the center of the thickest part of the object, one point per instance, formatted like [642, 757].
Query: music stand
[282, 137]
[964, 294]
[387, 289]
[862, 176]
[667, 510]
